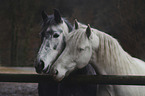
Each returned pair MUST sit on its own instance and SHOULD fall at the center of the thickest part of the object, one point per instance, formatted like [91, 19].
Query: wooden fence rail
[79, 79]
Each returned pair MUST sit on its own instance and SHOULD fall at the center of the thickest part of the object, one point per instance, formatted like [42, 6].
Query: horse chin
[58, 78]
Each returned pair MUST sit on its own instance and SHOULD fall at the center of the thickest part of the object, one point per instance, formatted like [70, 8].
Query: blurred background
[20, 24]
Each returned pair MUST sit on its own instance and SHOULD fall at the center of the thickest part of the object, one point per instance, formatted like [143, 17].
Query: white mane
[114, 59]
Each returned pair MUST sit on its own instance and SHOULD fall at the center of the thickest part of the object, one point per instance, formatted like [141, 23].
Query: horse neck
[110, 57]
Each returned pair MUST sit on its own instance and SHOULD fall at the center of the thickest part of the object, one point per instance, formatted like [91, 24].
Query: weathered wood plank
[18, 70]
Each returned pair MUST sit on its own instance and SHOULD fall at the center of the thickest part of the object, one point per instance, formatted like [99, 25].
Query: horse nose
[39, 66]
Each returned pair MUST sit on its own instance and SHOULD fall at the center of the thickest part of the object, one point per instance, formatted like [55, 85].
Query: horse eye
[56, 35]
[81, 49]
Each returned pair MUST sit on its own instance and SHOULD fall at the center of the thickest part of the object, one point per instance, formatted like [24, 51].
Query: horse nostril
[56, 35]
[56, 72]
[46, 70]
[41, 65]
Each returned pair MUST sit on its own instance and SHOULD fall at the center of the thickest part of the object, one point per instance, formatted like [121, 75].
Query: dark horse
[54, 28]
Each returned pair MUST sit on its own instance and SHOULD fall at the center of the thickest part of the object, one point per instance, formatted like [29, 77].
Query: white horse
[90, 46]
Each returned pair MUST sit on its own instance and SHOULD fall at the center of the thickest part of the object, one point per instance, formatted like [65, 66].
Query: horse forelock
[51, 22]
[47, 23]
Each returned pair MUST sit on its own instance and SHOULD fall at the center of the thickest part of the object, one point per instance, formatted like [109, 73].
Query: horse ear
[88, 31]
[76, 24]
[44, 15]
[57, 16]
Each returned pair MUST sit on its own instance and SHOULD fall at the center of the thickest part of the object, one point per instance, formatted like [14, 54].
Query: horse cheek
[84, 60]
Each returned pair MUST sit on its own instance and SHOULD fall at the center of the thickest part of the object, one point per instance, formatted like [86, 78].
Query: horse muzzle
[39, 66]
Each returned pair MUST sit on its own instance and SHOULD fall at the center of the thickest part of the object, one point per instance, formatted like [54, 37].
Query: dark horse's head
[54, 29]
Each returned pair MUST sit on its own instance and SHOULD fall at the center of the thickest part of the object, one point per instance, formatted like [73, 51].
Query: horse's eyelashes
[81, 49]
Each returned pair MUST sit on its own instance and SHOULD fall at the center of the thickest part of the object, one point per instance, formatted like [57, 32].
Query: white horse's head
[77, 53]
[52, 38]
